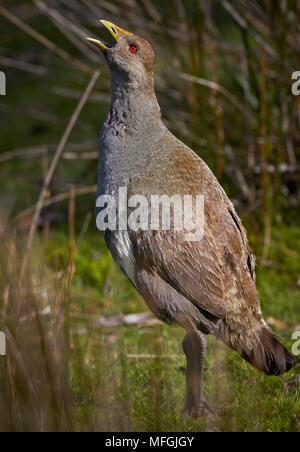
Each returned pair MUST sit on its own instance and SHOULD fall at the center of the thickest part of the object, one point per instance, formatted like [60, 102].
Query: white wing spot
[125, 255]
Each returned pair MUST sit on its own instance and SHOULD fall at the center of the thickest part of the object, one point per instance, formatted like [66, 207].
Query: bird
[205, 286]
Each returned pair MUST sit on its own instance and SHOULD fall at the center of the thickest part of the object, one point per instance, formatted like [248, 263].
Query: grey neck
[130, 135]
[135, 105]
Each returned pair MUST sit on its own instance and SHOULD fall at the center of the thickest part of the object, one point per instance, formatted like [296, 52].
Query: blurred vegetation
[223, 78]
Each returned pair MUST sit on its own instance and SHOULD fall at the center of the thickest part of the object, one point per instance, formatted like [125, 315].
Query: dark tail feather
[271, 356]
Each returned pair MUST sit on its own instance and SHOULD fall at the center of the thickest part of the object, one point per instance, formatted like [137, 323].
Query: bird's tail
[268, 355]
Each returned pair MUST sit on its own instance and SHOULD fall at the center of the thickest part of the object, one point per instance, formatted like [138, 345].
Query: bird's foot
[202, 409]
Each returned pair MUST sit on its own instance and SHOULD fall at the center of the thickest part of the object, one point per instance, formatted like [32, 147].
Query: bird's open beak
[117, 33]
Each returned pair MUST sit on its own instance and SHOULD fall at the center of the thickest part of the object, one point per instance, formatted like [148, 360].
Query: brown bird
[205, 286]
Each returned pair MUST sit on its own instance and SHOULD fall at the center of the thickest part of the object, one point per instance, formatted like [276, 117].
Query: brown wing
[217, 272]
[193, 269]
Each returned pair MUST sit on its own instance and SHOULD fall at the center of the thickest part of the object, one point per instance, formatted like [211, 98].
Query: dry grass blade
[34, 388]
[53, 166]
[243, 24]
[24, 66]
[28, 152]
[214, 86]
[54, 200]
[43, 40]
[68, 28]
[71, 150]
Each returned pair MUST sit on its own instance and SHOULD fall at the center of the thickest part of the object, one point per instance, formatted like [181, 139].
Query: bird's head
[130, 59]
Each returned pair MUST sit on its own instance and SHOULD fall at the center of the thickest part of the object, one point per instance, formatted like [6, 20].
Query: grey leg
[194, 346]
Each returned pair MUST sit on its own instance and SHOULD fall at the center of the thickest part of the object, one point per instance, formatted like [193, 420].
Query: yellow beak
[117, 33]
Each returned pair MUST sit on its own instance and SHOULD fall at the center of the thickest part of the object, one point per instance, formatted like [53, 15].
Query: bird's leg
[194, 346]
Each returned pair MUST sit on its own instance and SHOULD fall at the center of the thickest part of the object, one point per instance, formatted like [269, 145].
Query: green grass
[114, 392]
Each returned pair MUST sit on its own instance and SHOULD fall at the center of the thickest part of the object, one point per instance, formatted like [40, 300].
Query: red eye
[133, 49]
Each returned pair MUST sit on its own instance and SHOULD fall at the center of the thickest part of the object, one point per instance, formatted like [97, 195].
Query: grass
[106, 380]
[245, 399]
